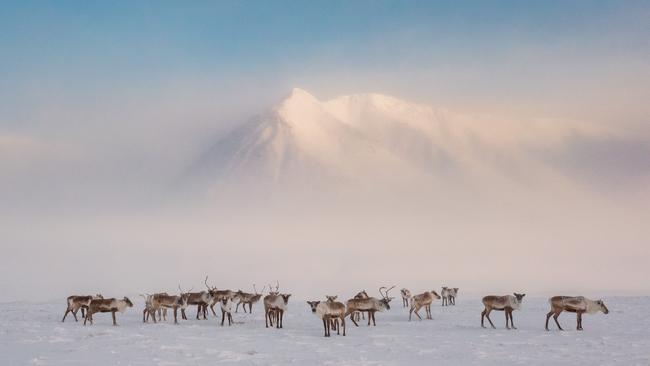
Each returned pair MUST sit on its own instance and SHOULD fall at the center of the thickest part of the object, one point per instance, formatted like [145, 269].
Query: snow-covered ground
[33, 334]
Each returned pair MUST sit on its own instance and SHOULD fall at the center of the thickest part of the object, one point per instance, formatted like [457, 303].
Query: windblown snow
[32, 334]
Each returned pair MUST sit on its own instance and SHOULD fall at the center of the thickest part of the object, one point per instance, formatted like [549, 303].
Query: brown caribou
[506, 303]
[107, 306]
[574, 304]
[249, 299]
[76, 302]
[370, 305]
[162, 301]
[423, 300]
[217, 296]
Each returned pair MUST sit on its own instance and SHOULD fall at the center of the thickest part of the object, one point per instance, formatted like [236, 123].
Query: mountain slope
[373, 139]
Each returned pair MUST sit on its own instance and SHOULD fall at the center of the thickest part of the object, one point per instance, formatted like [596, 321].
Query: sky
[104, 105]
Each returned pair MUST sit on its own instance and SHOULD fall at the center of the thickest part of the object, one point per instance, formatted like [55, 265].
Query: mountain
[374, 139]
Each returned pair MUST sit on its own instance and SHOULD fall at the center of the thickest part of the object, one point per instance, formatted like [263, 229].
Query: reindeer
[445, 296]
[217, 296]
[451, 295]
[275, 305]
[574, 304]
[506, 303]
[149, 308]
[358, 315]
[370, 305]
[201, 300]
[406, 296]
[107, 306]
[334, 321]
[76, 302]
[423, 300]
[329, 311]
[248, 299]
[226, 309]
[164, 301]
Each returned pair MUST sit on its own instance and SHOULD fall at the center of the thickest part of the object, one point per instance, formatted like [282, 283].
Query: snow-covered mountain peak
[375, 138]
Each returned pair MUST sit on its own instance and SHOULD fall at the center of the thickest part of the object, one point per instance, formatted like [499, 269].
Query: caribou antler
[208, 286]
[385, 293]
[183, 292]
[277, 285]
[255, 289]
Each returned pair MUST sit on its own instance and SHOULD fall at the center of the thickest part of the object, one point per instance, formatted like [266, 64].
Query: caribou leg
[66, 314]
[487, 315]
[548, 316]
[352, 318]
[115, 322]
[483, 317]
[557, 314]
[579, 319]
[414, 309]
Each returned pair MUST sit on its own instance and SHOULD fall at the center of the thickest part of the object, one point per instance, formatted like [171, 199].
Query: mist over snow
[356, 191]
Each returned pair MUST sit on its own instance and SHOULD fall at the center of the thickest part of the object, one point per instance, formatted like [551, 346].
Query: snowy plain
[32, 334]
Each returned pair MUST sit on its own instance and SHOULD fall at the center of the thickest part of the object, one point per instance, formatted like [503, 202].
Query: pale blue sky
[428, 50]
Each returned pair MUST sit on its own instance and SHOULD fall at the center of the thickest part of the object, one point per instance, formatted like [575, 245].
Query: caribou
[217, 296]
[275, 304]
[162, 301]
[76, 302]
[574, 304]
[358, 314]
[370, 305]
[506, 303]
[423, 300]
[226, 309]
[453, 292]
[107, 306]
[449, 295]
[249, 299]
[406, 296]
[201, 300]
[330, 312]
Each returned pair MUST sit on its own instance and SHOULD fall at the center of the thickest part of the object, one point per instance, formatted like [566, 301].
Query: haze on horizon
[332, 146]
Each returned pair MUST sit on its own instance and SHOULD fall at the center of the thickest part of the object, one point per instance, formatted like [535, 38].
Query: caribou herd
[331, 312]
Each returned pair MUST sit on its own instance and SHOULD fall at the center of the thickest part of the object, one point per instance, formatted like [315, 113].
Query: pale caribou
[330, 312]
[406, 296]
[275, 304]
